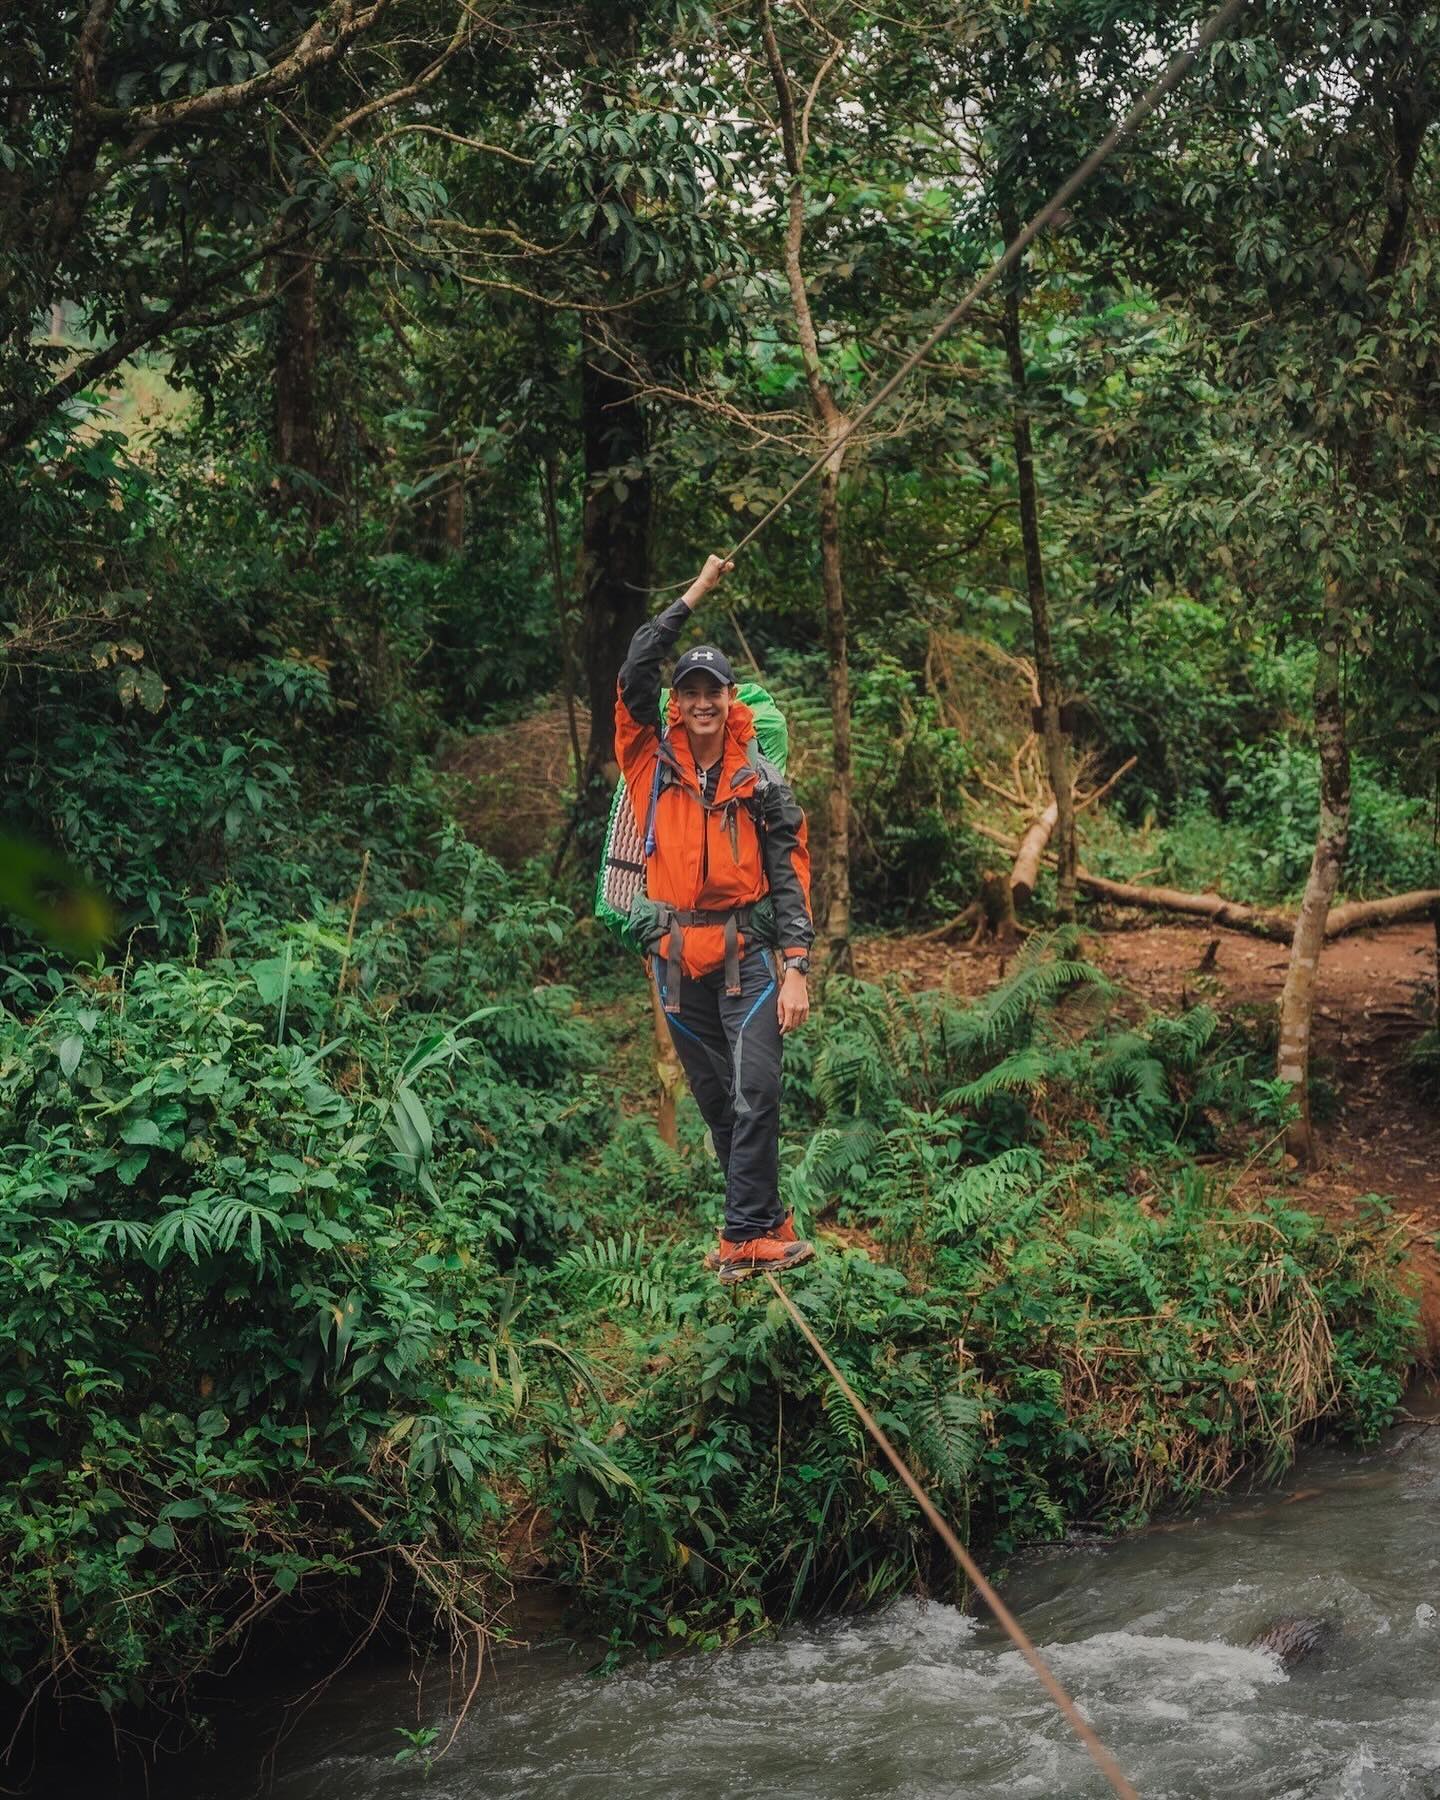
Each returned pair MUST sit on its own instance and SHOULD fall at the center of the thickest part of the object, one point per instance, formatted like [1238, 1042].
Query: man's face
[704, 703]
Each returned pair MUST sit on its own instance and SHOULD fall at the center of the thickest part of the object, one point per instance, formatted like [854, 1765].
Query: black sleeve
[785, 846]
[640, 672]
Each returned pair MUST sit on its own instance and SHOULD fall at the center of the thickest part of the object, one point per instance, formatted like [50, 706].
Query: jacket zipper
[705, 830]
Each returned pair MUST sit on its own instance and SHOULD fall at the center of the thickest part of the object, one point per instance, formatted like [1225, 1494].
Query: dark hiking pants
[729, 1047]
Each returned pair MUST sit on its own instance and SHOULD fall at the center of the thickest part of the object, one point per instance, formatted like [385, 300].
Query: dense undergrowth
[325, 1257]
[1054, 1309]
[336, 1245]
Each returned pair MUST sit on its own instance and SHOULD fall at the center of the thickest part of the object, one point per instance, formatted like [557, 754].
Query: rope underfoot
[1099, 1755]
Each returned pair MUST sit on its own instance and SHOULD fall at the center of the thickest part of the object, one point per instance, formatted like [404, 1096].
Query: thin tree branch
[327, 38]
[178, 315]
[461, 36]
[456, 137]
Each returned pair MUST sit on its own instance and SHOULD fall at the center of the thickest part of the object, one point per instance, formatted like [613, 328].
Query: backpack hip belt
[676, 919]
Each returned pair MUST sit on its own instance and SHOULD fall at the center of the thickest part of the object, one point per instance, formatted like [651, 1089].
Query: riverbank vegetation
[366, 373]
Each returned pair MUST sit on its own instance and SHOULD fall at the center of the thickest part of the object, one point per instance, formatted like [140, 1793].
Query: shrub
[256, 1210]
[1177, 685]
[1071, 1321]
[1259, 848]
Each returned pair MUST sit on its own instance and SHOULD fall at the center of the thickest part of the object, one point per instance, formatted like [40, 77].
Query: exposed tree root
[990, 916]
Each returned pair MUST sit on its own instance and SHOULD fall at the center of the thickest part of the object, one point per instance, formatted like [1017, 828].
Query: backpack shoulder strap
[664, 775]
[764, 770]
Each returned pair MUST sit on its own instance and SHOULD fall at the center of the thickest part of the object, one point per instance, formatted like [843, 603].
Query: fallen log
[1399, 909]
[1026, 871]
[1214, 908]
[1261, 921]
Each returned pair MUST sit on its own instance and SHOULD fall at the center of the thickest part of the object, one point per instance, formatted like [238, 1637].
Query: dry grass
[514, 783]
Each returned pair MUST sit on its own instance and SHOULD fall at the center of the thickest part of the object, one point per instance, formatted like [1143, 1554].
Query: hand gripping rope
[1176, 71]
[1099, 1755]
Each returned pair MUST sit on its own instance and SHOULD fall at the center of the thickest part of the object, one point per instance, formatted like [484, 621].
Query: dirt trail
[1383, 1138]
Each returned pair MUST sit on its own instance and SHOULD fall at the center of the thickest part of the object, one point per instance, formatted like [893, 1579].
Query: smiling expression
[704, 707]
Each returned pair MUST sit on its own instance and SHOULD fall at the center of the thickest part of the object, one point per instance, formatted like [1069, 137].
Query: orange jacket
[749, 842]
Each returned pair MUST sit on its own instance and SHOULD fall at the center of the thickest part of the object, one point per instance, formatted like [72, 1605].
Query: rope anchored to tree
[1175, 72]
[1099, 1755]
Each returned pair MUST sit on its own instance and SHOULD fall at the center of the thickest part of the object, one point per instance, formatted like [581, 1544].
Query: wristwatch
[801, 964]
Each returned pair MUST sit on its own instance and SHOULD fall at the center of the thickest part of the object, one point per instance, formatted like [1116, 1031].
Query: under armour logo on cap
[704, 659]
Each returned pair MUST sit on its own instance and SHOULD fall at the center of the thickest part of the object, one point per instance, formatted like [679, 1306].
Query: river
[926, 1703]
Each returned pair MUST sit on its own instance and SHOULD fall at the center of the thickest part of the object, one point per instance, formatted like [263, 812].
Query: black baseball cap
[704, 659]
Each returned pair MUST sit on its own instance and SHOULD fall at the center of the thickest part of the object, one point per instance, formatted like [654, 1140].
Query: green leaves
[271, 976]
[142, 687]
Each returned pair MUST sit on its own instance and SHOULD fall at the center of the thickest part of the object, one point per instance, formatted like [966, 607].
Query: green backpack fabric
[621, 880]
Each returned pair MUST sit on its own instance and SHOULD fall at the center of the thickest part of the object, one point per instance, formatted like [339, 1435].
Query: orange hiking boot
[760, 1256]
[784, 1233]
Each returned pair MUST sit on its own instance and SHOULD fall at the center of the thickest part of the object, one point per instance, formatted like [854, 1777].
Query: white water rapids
[925, 1703]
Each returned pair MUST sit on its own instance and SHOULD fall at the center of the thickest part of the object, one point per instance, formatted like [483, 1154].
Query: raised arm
[639, 689]
[637, 700]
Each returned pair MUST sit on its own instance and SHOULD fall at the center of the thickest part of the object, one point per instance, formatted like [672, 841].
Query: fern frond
[840, 1416]
[1180, 1042]
[948, 1435]
[1028, 990]
[624, 1269]
[839, 1154]
[1024, 1071]
[981, 1191]
[1126, 1259]
[1127, 1065]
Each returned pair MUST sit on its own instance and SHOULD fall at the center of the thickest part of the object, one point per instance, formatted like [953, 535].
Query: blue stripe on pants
[722, 1040]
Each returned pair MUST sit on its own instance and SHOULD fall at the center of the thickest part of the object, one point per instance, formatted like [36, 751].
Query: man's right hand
[709, 577]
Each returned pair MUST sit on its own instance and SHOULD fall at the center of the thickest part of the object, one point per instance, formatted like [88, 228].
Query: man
[722, 833]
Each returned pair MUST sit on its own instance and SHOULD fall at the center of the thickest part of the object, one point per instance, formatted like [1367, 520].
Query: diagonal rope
[1176, 71]
[1101, 1757]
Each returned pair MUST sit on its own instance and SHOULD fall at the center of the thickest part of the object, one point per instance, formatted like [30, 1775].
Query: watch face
[802, 963]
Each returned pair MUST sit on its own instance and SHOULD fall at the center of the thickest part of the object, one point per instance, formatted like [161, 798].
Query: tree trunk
[830, 423]
[1297, 1000]
[562, 616]
[616, 519]
[615, 553]
[454, 530]
[1332, 835]
[837, 841]
[1057, 759]
[297, 399]
[1435, 922]
[296, 437]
